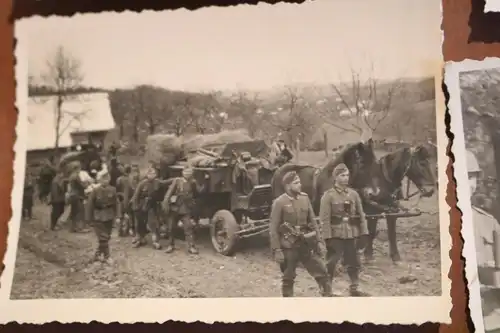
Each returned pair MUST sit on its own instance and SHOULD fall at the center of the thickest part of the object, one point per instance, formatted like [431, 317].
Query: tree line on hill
[306, 116]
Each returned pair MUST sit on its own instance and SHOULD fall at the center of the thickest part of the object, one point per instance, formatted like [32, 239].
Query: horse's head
[359, 156]
[420, 171]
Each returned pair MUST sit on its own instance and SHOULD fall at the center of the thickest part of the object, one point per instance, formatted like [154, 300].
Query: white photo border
[378, 310]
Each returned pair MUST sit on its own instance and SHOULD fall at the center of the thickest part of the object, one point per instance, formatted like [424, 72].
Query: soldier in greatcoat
[296, 237]
[343, 222]
[103, 209]
[28, 196]
[146, 203]
[57, 198]
[180, 204]
[75, 196]
[126, 186]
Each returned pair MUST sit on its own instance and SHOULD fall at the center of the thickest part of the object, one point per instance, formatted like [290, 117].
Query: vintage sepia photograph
[474, 90]
[235, 158]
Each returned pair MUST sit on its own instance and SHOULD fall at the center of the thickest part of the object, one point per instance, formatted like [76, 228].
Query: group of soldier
[118, 195]
[296, 237]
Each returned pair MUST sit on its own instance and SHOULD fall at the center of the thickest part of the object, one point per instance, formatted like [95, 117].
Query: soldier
[75, 196]
[341, 229]
[292, 230]
[102, 210]
[485, 225]
[146, 204]
[28, 194]
[125, 186]
[180, 204]
[57, 199]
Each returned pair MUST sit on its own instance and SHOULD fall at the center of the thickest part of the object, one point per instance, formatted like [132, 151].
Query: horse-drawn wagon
[236, 197]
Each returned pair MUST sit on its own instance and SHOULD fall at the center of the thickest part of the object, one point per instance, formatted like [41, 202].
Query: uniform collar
[292, 197]
[340, 189]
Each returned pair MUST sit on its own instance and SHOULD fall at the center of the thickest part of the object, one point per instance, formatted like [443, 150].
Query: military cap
[339, 169]
[290, 177]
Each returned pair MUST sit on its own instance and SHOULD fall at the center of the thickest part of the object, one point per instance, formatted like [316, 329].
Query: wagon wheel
[223, 232]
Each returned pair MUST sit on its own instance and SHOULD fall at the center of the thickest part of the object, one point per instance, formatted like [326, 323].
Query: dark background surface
[461, 41]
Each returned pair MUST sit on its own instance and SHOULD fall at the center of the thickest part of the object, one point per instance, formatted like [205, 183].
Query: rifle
[295, 234]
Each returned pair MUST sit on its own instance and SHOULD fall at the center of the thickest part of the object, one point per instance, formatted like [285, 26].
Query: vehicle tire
[223, 228]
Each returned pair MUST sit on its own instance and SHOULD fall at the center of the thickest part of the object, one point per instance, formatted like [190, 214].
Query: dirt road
[55, 264]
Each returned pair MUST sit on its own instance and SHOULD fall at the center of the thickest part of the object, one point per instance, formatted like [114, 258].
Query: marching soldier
[146, 204]
[341, 229]
[125, 187]
[485, 225]
[75, 196]
[57, 198]
[180, 205]
[102, 210]
[296, 237]
[28, 194]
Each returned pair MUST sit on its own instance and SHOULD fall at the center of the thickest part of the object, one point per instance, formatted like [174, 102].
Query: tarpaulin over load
[256, 148]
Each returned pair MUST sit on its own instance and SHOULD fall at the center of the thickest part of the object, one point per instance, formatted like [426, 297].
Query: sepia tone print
[232, 162]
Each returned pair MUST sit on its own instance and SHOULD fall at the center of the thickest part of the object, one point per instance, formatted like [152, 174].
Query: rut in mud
[56, 264]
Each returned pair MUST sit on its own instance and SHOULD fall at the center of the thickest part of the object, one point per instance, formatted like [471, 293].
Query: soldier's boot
[325, 287]
[287, 289]
[156, 241]
[97, 256]
[191, 246]
[355, 292]
[138, 242]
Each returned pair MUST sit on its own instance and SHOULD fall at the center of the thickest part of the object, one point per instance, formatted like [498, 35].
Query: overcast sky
[253, 47]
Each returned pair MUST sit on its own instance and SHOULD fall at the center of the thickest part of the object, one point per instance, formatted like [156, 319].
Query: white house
[85, 118]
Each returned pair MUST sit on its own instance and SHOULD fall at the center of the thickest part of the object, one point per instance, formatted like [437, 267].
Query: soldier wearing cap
[125, 187]
[102, 210]
[146, 204]
[293, 210]
[485, 225]
[180, 205]
[75, 196]
[341, 229]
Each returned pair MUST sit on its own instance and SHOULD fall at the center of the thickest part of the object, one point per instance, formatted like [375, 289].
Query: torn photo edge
[377, 310]
[452, 81]
[492, 6]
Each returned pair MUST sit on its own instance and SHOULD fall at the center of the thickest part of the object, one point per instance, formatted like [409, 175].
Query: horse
[358, 157]
[381, 191]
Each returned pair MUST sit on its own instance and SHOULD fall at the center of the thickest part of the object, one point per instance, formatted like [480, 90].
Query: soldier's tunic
[125, 187]
[28, 193]
[146, 203]
[103, 209]
[297, 212]
[57, 199]
[76, 195]
[484, 227]
[340, 230]
[183, 208]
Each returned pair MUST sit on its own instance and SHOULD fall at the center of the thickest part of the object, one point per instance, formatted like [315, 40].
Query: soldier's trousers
[312, 262]
[103, 232]
[187, 225]
[56, 212]
[27, 206]
[148, 219]
[337, 249]
[76, 213]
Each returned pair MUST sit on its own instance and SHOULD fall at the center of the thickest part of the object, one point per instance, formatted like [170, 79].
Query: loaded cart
[237, 197]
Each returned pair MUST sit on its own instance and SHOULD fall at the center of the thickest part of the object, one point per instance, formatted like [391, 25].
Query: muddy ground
[55, 264]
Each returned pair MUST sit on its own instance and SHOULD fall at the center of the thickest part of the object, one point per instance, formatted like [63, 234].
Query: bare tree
[63, 76]
[362, 104]
[294, 120]
[247, 107]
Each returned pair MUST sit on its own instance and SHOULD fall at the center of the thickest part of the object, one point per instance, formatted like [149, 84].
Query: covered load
[163, 148]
